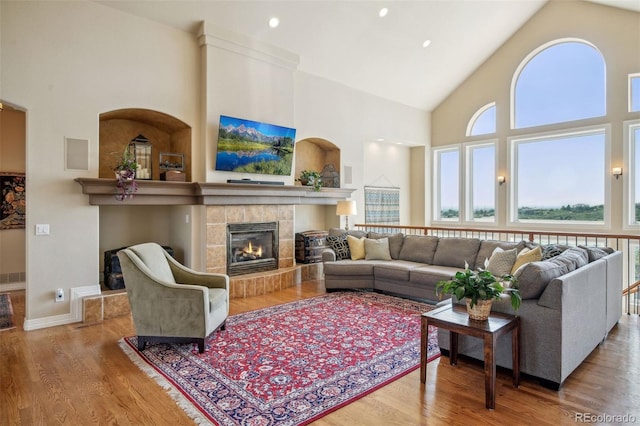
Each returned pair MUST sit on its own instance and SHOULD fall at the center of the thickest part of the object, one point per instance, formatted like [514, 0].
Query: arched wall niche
[165, 133]
[319, 155]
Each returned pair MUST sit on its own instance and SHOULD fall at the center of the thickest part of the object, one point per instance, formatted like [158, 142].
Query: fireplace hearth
[252, 247]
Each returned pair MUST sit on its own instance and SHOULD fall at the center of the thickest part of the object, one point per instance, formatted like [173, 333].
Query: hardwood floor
[77, 375]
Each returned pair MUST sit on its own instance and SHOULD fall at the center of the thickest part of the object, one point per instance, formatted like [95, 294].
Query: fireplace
[252, 247]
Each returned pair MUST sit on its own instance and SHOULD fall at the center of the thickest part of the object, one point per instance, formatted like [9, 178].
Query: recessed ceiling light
[274, 22]
[380, 140]
[383, 12]
[426, 43]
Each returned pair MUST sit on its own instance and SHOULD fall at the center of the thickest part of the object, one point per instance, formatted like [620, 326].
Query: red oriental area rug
[293, 363]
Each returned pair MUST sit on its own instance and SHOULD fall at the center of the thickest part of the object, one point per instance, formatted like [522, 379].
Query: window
[483, 121]
[553, 184]
[446, 184]
[561, 81]
[632, 139]
[481, 182]
[634, 92]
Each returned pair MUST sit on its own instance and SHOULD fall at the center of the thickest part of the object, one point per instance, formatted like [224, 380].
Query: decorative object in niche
[125, 171]
[330, 177]
[172, 167]
[311, 178]
[140, 148]
[13, 207]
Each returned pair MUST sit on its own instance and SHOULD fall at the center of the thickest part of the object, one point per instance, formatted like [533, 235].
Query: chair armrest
[184, 275]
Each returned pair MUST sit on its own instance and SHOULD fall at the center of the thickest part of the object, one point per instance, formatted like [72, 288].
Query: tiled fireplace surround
[258, 283]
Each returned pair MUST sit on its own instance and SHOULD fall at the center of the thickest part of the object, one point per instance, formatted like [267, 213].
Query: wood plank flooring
[77, 375]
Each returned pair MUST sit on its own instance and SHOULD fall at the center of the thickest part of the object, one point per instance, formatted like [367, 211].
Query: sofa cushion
[526, 256]
[575, 257]
[376, 249]
[534, 277]
[456, 252]
[395, 242]
[349, 268]
[487, 247]
[501, 261]
[339, 231]
[429, 275]
[395, 271]
[356, 247]
[339, 245]
[418, 248]
[596, 253]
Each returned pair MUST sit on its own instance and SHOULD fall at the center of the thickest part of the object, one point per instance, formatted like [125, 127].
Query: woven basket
[480, 310]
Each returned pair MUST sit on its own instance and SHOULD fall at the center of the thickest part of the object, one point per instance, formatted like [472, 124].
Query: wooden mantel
[101, 192]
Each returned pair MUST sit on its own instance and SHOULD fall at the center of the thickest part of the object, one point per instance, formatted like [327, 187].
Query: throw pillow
[339, 245]
[356, 247]
[552, 250]
[501, 261]
[377, 249]
[395, 242]
[525, 257]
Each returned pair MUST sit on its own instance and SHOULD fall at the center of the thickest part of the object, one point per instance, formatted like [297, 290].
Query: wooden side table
[455, 319]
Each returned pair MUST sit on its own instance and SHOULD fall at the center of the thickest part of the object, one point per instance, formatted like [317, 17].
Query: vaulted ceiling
[348, 42]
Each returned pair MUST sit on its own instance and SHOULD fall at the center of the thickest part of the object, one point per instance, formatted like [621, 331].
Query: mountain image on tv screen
[247, 146]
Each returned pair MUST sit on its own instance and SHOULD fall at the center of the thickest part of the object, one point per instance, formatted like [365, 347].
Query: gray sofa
[570, 301]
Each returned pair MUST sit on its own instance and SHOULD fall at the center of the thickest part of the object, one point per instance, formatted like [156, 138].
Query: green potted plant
[125, 171]
[480, 288]
[311, 178]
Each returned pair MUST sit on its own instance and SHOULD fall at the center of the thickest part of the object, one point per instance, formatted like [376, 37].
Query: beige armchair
[169, 302]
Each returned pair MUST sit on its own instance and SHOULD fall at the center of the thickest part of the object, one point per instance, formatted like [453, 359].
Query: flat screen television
[247, 146]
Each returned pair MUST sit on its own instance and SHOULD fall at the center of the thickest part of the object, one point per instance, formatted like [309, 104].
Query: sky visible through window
[562, 83]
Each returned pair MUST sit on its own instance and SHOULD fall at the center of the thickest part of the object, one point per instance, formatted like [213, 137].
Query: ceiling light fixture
[274, 22]
[383, 12]
[426, 43]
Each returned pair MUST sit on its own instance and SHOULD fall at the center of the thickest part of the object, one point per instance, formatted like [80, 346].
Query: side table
[456, 319]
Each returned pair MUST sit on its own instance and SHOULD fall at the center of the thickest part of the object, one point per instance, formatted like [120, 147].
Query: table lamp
[346, 208]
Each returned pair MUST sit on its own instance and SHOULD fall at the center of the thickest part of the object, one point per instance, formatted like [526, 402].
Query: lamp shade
[346, 208]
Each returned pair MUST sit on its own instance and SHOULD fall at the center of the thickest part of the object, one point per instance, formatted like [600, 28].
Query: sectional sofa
[571, 299]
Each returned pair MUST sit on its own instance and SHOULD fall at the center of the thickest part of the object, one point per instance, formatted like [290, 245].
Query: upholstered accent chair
[170, 302]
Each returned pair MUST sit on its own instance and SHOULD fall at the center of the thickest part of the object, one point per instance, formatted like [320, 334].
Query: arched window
[483, 121]
[561, 81]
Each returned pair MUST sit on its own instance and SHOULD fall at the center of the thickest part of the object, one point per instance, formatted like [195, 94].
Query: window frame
[512, 201]
[467, 160]
[525, 62]
[632, 77]
[629, 173]
[436, 177]
[477, 115]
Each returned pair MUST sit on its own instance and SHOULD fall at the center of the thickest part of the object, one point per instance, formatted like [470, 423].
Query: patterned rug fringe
[183, 402]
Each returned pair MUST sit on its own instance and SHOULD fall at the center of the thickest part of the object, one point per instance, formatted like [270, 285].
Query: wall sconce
[501, 180]
[617, 172]
[346, 208]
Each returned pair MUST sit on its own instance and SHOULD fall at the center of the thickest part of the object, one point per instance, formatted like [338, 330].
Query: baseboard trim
[75, 306]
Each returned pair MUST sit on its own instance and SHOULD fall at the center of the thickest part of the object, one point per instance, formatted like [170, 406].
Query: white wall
[65, 63]
[353, 121]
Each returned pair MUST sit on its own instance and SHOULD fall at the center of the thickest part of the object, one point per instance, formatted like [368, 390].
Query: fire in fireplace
[252, 247]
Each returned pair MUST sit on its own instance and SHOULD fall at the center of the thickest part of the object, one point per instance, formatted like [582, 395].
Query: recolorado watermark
[605, 418]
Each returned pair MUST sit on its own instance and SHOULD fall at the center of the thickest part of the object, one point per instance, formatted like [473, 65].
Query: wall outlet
[59, 295]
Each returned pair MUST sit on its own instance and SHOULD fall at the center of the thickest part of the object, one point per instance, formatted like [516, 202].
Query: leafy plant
[480, 285]
[311, 178]
[125, 170]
